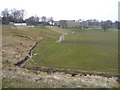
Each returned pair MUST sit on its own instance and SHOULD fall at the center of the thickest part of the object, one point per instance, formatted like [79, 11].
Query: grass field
[85, 50]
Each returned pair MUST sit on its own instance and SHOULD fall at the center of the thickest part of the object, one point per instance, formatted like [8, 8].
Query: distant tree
[33, 20]
[63, 23]
[43, 19]
[50, 20]
[117, 24]
[109, 23]
[5, 16]
[17, 15]
[104, 25]
[79, 20]
[5, 13]
[93, 22]
[12, 16]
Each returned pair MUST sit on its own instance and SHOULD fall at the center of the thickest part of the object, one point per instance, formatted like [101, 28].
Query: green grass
[93, 51]
[39, 31]
[85, 50]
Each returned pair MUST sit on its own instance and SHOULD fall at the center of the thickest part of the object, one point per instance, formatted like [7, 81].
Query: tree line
[12, 16]
[17, 16]
[93, 23]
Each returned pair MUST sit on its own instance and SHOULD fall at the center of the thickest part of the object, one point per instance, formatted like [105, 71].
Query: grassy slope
[32, 32]
[12, 44]
[73, 53]
[86, 50]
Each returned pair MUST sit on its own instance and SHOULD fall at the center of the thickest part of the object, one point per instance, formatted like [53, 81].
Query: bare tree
[104, 25]
[43, 19]
[22, 13]
[5, 13]
[33, 20]
[17, 15]
[5, 16]
[109, 23]
[12, 16]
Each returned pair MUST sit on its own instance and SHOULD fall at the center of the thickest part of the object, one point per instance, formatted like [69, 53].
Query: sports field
[84, 50]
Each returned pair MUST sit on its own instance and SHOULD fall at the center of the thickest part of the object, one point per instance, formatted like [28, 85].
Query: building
[20, 24]
[72, 23]
[68, 23]
[17, 24]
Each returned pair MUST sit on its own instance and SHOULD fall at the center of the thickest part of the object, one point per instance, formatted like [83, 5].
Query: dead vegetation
[59, 80]
[15, 48]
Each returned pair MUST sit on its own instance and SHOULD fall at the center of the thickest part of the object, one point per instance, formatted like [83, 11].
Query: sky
[66, 9]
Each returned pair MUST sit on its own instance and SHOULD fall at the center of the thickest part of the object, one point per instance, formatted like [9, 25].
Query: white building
[17, 24]
[20, 24]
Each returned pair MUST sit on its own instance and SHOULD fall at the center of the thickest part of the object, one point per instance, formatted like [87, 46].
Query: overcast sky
[66, 9]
